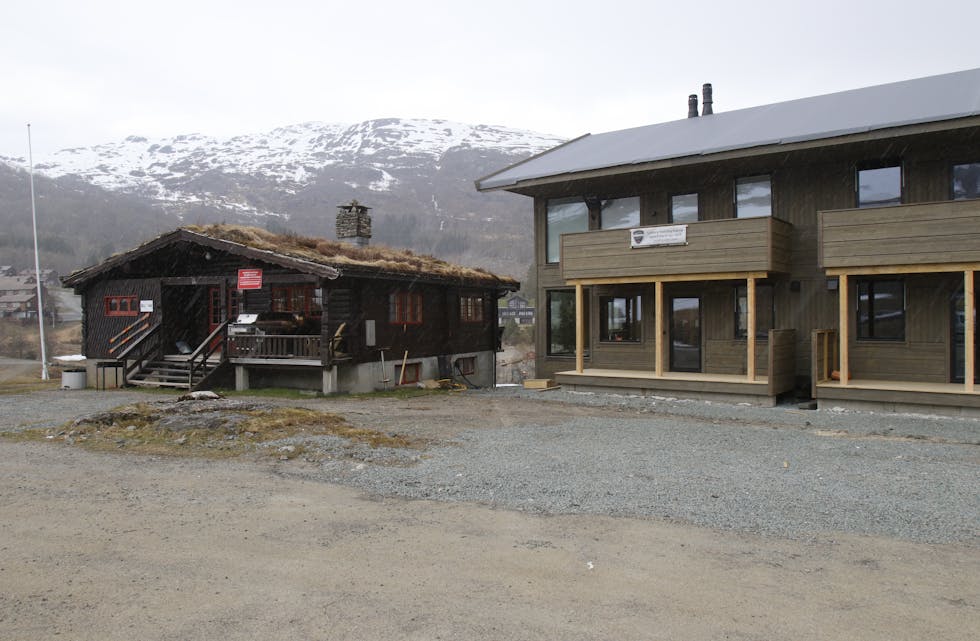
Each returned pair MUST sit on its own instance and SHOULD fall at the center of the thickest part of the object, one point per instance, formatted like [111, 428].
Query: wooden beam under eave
[969, 330]
[658, 328]
[667, 278]
[750, 328]
[880, 270]
[579, 330]
[842, 332]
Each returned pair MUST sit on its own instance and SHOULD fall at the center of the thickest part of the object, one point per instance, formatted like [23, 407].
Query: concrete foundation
[362, 377]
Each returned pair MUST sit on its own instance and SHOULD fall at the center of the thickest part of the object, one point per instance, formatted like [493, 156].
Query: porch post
[750, 328]
[658, 328]
[969, 330]
[579, 330]
[843, 329]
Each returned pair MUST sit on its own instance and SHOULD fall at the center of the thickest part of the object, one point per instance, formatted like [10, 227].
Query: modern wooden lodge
[826, 245]
[216, 305]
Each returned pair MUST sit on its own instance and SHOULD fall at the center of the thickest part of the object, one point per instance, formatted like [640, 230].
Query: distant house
[210, 305]
[517, 308]
[18, 297]
[827, 244]
[7, 270]
[48, 276]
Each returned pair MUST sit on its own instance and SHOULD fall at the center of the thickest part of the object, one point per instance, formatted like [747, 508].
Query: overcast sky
[83, 73]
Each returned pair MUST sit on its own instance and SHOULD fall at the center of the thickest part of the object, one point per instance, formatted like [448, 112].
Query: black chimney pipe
[692, 106]
[706, 109]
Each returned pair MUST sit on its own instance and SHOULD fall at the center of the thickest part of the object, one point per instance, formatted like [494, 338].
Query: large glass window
[881, 310]
[561, 322]
[966, 181]
[765, 311]
[619, 318]
[565, 216]
[753, 197]
[620, 213]
[879, 187]
[684, 208]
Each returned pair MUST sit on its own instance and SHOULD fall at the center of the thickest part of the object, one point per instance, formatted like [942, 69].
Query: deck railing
[305, 347]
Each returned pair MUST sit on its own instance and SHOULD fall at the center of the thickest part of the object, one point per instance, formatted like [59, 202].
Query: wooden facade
[816, 253]
[182, 291]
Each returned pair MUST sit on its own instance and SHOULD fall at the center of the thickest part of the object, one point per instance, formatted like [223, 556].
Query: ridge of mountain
[416, 174]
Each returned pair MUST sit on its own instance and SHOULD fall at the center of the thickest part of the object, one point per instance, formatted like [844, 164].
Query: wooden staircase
[147, 366]
[172, 373]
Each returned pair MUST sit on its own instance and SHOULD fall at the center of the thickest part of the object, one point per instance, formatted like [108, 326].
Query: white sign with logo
[661, 236]
[146, 305]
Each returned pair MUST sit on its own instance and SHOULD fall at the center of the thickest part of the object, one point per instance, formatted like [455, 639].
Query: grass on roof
[335, 253]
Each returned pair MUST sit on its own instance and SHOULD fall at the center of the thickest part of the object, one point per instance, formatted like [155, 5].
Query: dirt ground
[117, 546]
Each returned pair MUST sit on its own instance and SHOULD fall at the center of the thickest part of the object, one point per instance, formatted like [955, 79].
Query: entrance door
[215, 317]
[958, 339]
[685, 334]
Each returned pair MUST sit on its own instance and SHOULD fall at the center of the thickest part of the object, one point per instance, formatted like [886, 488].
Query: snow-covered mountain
[416, 175]
[264, 174]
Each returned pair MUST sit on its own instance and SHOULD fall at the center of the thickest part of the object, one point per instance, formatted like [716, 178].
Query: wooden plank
[969, 326]
[934, 268]
[843, 328]
[538, 383]
[750, 329]
[579, 329]
[668, 278]
[658, 324]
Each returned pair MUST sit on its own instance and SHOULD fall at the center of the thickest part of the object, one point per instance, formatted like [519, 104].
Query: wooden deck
[730, 387]
[896, 395]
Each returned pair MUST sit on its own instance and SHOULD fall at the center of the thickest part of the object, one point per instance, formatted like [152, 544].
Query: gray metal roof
[934, 98]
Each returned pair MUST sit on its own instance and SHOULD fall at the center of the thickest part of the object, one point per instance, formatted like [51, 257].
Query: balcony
[713, 247]
[914, 236]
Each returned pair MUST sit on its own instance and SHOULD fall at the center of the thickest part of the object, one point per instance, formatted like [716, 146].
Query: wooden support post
[658, 328]
[750, 328]
[969, 330]
[579, 330]
[842, 331]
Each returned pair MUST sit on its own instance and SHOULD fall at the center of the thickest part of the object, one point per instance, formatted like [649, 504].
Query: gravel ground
[775, 471]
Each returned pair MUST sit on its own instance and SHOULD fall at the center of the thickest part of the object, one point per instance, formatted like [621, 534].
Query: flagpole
[37, 261]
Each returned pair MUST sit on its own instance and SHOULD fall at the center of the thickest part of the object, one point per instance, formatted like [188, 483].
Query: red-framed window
[471, 308]
[412, 373]
[122, 306]
[299, 299]
[405, 308]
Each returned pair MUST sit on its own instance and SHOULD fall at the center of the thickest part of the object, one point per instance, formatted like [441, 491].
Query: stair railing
[138, 350]
[198, 359]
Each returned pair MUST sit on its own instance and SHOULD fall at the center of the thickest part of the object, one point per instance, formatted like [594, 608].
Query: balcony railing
[302, 347]
[732, 245]
[921, 234]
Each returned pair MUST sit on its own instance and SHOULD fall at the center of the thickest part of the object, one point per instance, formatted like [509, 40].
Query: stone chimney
[354, 224]
[692, 106]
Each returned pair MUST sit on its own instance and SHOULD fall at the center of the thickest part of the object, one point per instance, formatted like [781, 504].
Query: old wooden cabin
[222, 304]
[826, 246]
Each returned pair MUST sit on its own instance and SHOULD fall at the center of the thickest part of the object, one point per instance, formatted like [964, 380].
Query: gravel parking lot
[689, 520]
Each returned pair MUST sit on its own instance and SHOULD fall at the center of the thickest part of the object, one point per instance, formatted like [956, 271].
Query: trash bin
[73, 379]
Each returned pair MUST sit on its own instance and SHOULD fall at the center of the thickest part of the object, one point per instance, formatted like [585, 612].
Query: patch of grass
[24, 384]
[226, 431]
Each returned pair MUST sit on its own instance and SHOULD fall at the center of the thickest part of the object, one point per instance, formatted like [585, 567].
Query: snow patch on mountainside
[180, 168]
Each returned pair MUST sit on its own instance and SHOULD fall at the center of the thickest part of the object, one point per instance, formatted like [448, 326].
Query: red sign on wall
[249, 279]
